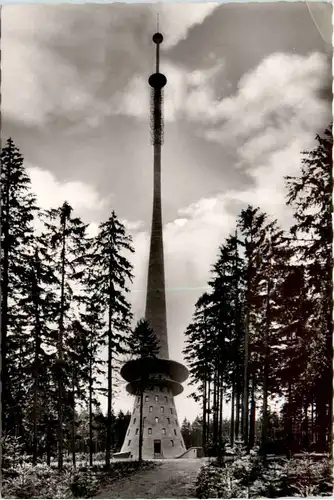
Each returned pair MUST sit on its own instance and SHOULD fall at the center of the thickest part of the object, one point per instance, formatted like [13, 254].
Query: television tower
[162, 436]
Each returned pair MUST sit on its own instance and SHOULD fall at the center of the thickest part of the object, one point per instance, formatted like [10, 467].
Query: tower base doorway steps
[157, 448]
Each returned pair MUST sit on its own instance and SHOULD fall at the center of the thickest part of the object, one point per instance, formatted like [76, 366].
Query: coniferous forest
[262, 331]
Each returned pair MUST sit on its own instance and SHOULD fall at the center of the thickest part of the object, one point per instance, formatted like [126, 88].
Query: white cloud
[178, 19]
[93, 229]
[283, 91]
[186, 94]
[38, 82]
[52, 193]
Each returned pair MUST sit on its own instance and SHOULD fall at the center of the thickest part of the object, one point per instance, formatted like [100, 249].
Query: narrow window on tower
[144, 420]
[175, 432]
[146, 398]
[168, 419]
[171, 410]
[156, 398]
[129, 442]
[151, 408]
[128, 432]
[172, 443]
[156, 420]
[164, 431]
[161, 409]
[166, 399]
[134, 420]
[149, 430]
[137, 430]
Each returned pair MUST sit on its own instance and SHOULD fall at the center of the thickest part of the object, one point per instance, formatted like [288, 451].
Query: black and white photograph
[166, 250]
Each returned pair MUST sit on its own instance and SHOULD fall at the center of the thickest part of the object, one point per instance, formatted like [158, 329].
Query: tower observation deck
[162, 436]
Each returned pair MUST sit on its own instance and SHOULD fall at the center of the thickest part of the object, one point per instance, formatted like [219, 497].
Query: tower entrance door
[157, 448]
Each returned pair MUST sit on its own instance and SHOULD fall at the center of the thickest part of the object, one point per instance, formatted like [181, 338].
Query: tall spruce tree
[228, 308]
[255, 231]
[37, 308]
[200, 343]
[18, 206]
[65, 238]
[114, 272]
[311, 196]
[92, 318]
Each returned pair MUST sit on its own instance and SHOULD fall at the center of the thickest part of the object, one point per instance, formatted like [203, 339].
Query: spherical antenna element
[157, 80]
[157, 38]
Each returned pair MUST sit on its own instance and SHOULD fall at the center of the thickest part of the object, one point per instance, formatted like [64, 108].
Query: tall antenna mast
[155, 298]
[161, 373]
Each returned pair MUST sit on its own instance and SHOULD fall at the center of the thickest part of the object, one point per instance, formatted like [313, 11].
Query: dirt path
[171, 479]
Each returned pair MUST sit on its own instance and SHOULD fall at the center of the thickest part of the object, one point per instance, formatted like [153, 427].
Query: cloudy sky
[249, 86]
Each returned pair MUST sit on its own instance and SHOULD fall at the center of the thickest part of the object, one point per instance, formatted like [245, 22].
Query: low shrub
[42, 481]
[85, 483]
[250, 477]
[39, 481]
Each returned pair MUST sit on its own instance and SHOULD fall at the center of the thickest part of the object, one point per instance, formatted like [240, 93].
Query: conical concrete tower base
[162, 436]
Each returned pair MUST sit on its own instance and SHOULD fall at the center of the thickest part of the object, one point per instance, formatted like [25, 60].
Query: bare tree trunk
[209, 409]
[73, 417]
[204, 417]
[215, 413]
[252, 416]
[237, 412]
[36, 365]
[109, 405]
[232, 412]
[90, 411]
[246, 390]
[312, 421]
[141, 422]
[246, 346]
[221, 411]
[264, 429]
[306, 426]
[5, 393]
[60, 349]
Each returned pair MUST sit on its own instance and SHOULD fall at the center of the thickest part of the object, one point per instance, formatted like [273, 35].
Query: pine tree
[114, 272]
[18, 206]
